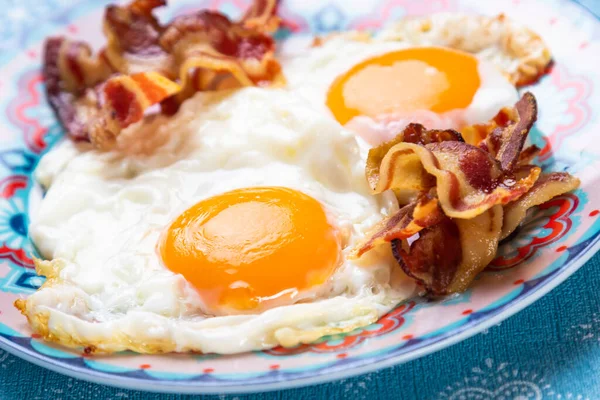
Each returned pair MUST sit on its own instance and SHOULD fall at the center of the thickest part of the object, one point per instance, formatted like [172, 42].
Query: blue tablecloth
[551, 350]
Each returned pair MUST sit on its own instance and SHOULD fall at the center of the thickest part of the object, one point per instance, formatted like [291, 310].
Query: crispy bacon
[547, 187]
[506, 142]
[212, 53]
[123, 102]
[504, 136]
[416, 133]
[262, 16]
[460, 198]
[479, 239]
[204, 51]
[446, 257]
[409, 220]
[133, 35]
[528, 155]
[101, 113]
[476, 134]
[413, 133]
[69, 72]
[433, 258]
[468, 180]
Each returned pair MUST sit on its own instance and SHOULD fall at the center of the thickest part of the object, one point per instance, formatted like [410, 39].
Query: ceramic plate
[560, 236]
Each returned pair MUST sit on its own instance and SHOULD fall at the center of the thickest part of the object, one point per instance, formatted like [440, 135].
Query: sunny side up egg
[375, 87]
[226, 230]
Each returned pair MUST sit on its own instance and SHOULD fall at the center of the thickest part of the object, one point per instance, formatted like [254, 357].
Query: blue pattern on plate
[496, 367]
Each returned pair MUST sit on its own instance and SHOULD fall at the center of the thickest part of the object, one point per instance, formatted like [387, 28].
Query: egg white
[310, 72]
[103, 214]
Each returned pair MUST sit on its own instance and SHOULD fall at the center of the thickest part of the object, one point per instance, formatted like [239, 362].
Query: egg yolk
[244, 247]
[425, 78]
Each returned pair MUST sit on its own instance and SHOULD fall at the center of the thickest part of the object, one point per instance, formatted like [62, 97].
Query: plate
[559, 237]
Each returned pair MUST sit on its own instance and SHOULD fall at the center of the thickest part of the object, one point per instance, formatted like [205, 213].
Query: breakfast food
[143, 247]
[217, 197]
[444, 71]
[95, 97]
[458, 199]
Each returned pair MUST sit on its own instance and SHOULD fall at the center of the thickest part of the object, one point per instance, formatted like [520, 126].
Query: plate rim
[181, 387]
[158, 385]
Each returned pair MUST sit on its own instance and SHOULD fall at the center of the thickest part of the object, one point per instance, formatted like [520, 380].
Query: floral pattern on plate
[558, 239]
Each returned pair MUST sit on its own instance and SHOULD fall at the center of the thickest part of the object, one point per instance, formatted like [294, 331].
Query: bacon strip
[460, 198]
[212, 53]
[413, 133]
[448, 256]
[506, 143]
[468, 180]
[91, 105]
[133, 35]
[124, 100]
[479, 239]
[547, 187]
[262, 16]
[204, 51]
[410, 219]
[476, 134]
[433, 258]
[504, 136]
[101, 113]
[88, 110]
[69, 70]
[528, 155]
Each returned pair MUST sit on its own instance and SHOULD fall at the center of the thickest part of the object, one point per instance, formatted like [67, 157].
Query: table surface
[551, 350]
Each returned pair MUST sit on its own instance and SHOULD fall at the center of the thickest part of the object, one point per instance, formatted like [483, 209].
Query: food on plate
[96, 96]
[458, 199]
[218, 196]
[231, 233]
[446, 71]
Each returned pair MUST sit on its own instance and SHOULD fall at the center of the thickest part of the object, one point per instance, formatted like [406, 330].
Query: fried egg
[381, 85]
[226, 230]
[228, 227]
